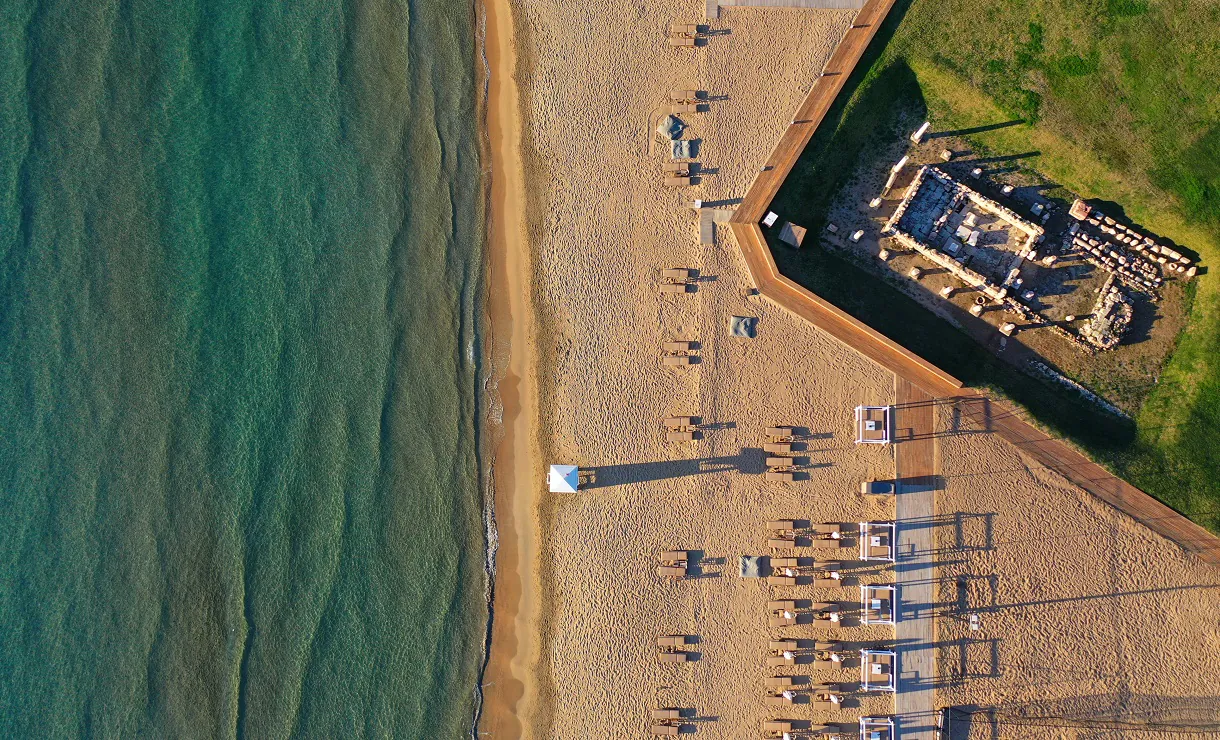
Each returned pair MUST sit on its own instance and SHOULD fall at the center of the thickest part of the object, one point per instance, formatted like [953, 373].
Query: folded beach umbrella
[564, 478]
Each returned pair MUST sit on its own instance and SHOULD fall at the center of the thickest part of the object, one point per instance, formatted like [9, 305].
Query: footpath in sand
[1052, 561]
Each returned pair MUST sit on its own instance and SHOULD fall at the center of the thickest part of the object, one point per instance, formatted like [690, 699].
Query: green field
[1116, 100]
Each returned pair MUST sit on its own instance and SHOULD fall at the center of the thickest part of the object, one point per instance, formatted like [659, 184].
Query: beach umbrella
[564, 478]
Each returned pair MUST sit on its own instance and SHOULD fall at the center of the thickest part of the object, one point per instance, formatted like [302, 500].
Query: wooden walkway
[916, 471]
[1046, 451]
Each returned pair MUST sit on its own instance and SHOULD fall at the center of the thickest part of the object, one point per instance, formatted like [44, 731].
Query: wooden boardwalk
[916, 470]
[1046, 451]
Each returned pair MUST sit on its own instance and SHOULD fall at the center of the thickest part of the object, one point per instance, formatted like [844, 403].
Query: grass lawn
[1116, 100]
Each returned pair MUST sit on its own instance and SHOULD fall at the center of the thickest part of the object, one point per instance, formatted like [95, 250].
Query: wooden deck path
[1046, 451]
[916, 472]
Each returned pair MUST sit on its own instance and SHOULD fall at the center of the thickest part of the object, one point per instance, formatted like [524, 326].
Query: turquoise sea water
[240, 274]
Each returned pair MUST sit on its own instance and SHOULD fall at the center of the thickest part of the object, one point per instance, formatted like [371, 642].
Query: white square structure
[878, 604]
[878, 670]
[877, 541]
[873, 425]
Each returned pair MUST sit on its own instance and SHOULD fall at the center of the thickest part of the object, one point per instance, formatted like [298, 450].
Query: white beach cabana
[877, 728]
[878, 604]
[878, 670]
[563, 478]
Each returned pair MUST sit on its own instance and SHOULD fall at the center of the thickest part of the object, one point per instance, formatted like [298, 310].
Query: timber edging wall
[1048, 452]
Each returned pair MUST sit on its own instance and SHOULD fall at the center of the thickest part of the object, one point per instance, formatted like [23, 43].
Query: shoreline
[512, 384]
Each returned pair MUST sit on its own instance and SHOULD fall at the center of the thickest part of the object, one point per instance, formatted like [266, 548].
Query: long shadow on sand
[750, 461]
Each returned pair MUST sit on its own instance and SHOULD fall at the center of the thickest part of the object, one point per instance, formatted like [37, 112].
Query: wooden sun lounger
[788, 606]
[778, 448]
[776, 476]
[680, 436]
[677, 422]
[825, 665]
[785, 563]
[671, 571]
[781, 525]
[879, 552]
[674, 557]
[781, 580]
[680, 96]
[674, 288]
[667, 713]
[781, 542]
[827, 528]
[775, 661]
[825, 623]
[779, 462]
[677, 346]
[681, 41]
[687, 28]
[676, 273]
[827, 566]
[827, 583]
[777, 725]
[777, 701]
[673, 658]
[780, 432]
[677, 182]
[676, 361]
[778, 621]
[684, 108]
[665, 730]
[678, 169]
[819, 544]
[779, 682]
[781, 645]
[671, 641]
[831, 646]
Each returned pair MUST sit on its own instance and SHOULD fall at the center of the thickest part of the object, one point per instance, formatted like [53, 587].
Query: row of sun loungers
[683, 34]
[778, 448]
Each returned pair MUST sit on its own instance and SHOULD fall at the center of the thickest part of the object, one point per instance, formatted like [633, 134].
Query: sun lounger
[680, 96]
[775, 661]
[781, 580]
[683, 28]
[781, 542]
[676, 361]
[781, 525]
[676, 273]
[677, 422]
[782, 645]
[777, 725]
[677, 346]
[672, 571]
[775, 476]
[827, 528]
[788, 605]
[820, 544]
[827, 583]
[677, 182]
[673, 288]
[684, 108]
[780, 621]
[785, 562]
[777, 701]
[778, 448]
[823, 645]
[779, 462]
[827, 567]
[674, 557]
[665, 730]
[671, 641]
[667, 714]
[681, 41]
[824, 665]
[680, 436]
[782, 433]
[779, 682]
[673, 657]
[677, 169]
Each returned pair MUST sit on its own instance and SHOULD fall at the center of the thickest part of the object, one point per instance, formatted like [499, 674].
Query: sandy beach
[582, 227]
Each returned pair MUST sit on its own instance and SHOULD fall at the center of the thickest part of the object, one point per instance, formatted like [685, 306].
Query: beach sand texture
[601, 227]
